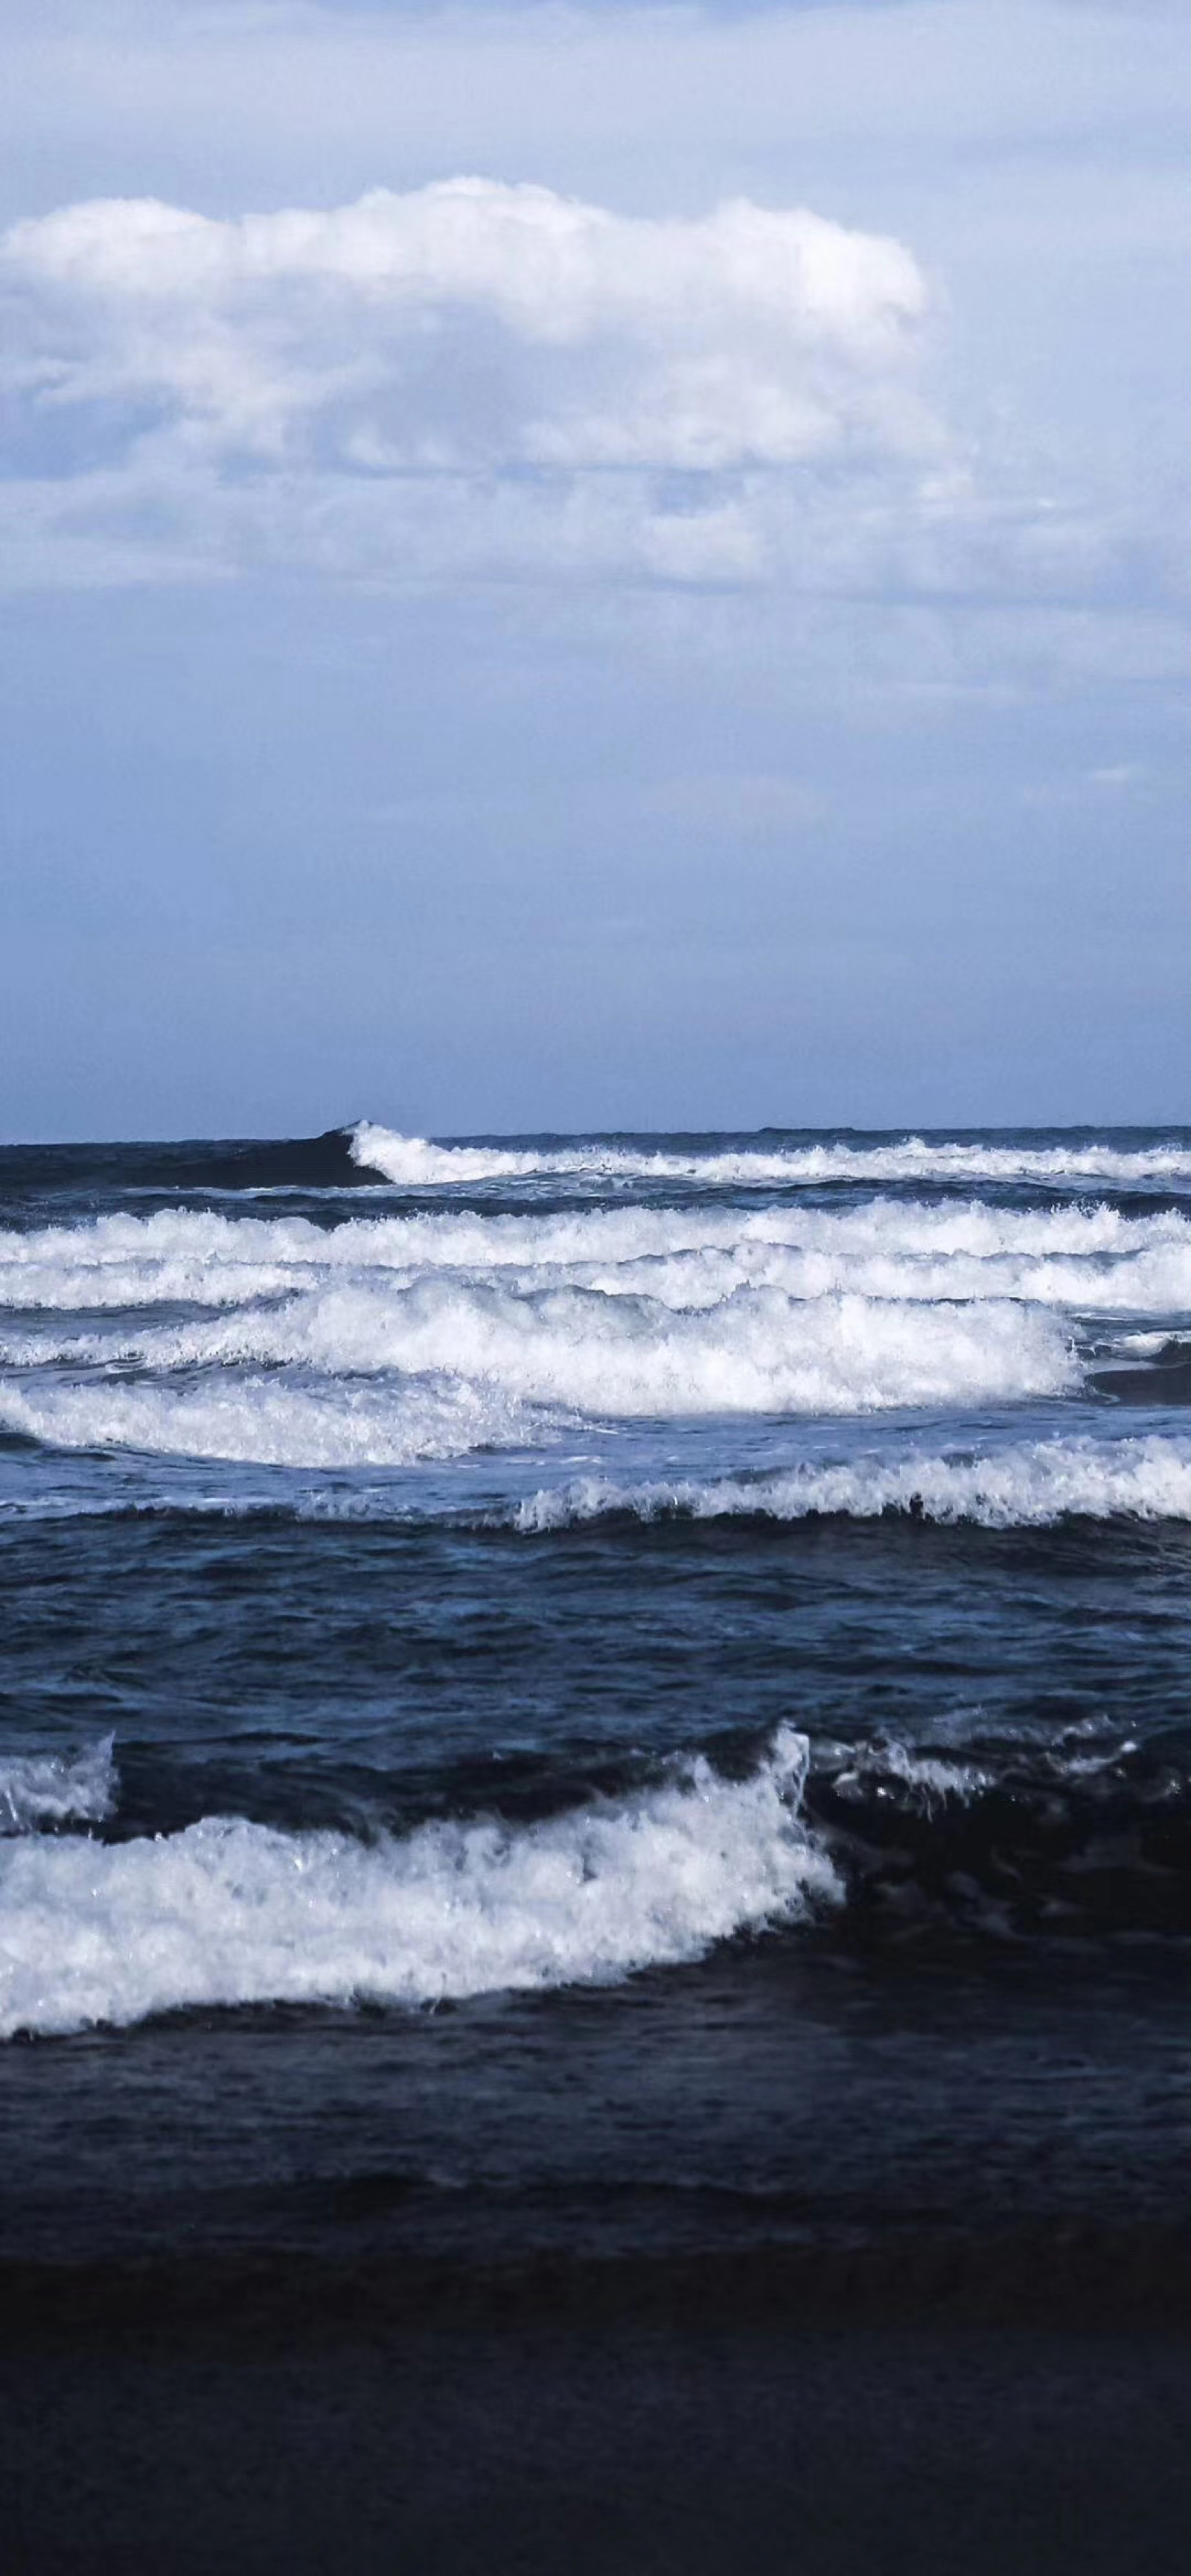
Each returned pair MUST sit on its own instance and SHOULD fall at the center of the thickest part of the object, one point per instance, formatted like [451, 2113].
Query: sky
[581, 567]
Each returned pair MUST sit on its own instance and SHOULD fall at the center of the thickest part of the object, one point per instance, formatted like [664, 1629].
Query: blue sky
[576, 567]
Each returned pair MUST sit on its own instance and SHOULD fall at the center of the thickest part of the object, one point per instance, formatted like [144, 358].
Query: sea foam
[1092, 1259]
[229, 1912]
[1029, 1485]
[413, 1162]
[384, 1340]
[460, 1365]
[265, 1422]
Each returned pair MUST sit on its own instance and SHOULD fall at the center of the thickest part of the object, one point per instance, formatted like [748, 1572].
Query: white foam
[1031, 1484]
[1089, 1259]
[465, 1363]
[412, 1162]
[39, 1789]
[229, 1912]
[386, 1340]
[268, 1423]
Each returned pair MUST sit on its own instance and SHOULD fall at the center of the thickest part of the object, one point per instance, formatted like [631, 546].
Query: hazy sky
[580, 567]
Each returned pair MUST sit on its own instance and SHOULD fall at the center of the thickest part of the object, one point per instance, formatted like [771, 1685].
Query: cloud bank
[561, 386]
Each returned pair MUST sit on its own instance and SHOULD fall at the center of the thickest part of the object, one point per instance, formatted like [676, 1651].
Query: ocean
[594, 1731]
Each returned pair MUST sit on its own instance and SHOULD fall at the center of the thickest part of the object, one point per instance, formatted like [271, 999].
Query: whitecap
[266, 1422]
[1030, 1484]
[413, 1162]
[1091, 1259]
[393, 1375]
[229, 1912]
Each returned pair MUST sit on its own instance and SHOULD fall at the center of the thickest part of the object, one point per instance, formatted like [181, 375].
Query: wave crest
[414, 1162]
[229, 1912]
[438, 1368]
[1028, 1486]
[1092, 1259]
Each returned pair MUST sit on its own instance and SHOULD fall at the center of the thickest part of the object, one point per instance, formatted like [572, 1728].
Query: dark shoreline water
[865, 2452]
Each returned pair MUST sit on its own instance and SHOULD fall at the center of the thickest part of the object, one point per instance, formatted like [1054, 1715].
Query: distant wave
[229, 1912]
[200, 1164]
[1030, 1485]
[413, 1162]
[367, 1155]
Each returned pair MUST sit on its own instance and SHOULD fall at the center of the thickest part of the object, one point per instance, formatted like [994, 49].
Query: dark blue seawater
[620, 1696]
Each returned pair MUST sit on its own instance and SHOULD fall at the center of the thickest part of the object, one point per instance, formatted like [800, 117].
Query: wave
[414, 1162]
[871, 1844]
[44, 1789]
[266, 1423]
[1033, 1484]
[1076, 1836]
[298, 1164]
[228, 1912]
[368, 1155]
[1029, 1486]
[1092, 1260]
[457, 1368]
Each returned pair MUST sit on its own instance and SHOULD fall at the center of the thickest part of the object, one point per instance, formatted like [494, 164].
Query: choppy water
[712, 1611]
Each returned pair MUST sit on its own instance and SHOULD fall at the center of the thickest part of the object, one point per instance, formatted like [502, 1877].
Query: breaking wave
[1091, 1259]
[877, 1843]
[457, 1366]
[413, 1162]
[228, 1912]
[265, 1422]
[1028, 1486]
[385, 1339]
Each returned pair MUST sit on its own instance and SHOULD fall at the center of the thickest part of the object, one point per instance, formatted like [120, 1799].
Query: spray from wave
[40, 1789]
[413, 1162]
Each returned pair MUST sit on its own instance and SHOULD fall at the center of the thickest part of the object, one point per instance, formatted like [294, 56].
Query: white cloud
[749, 334]
[244, 387]
[553, 393]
